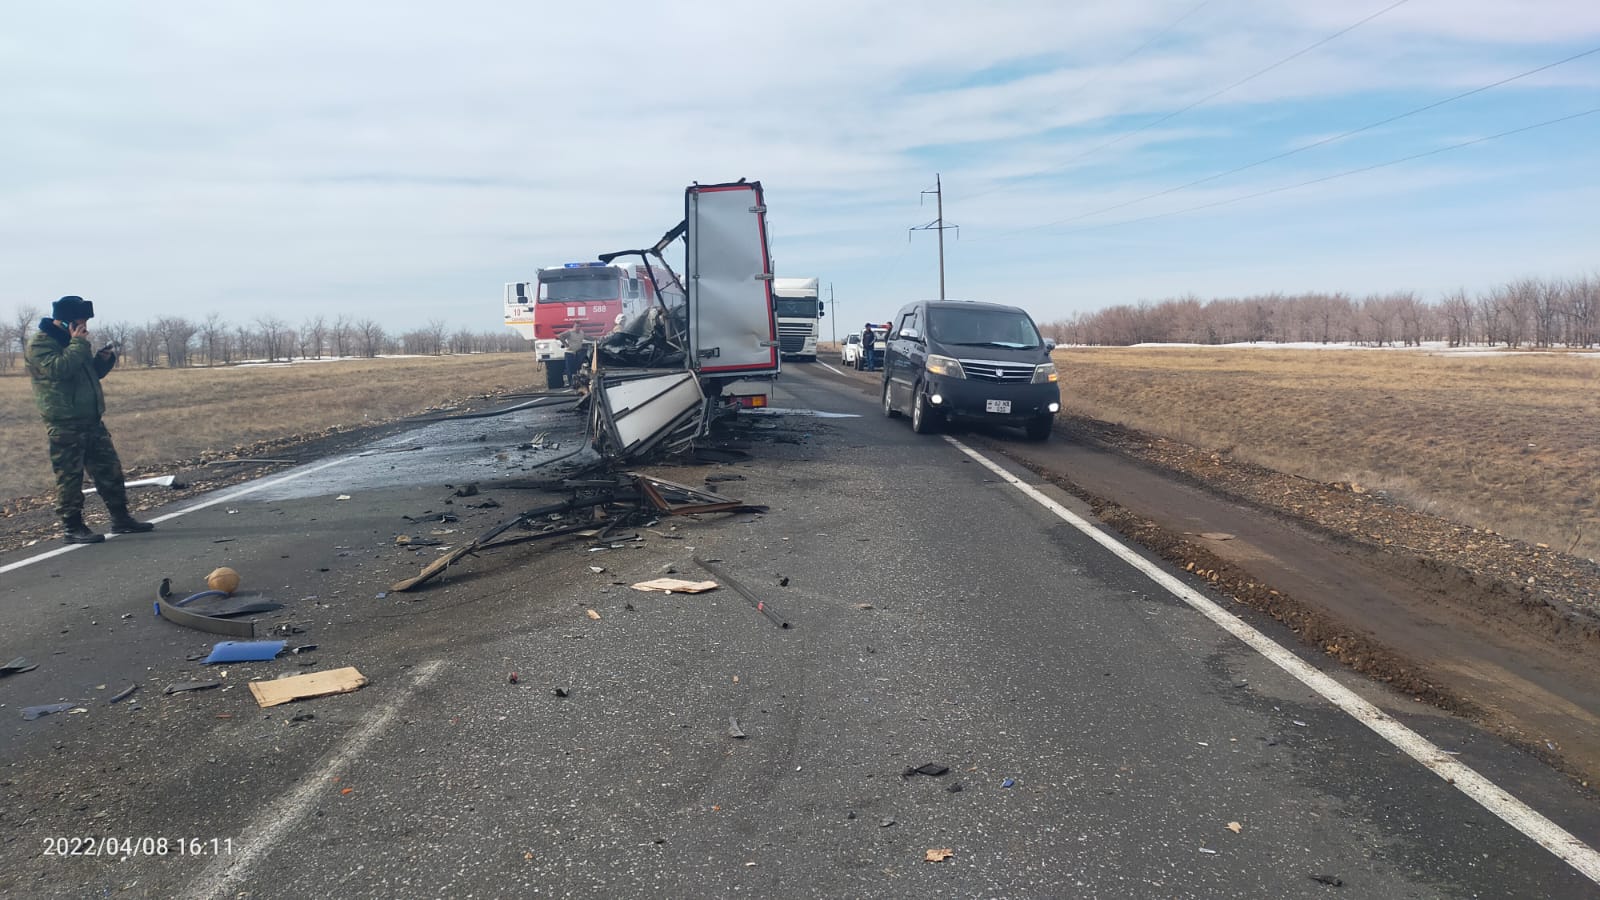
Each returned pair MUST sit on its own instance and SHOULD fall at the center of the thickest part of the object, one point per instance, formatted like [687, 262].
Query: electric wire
[1207, 98]
[1303, 148]
[1100, 74]
[1345, 174]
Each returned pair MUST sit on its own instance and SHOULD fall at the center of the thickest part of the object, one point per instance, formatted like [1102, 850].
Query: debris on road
[342, 497]
[30, 713]
[618, 501]
[158, 481]
[1329, 880]
[123, 694]
[512, 678]
[1009, 782]
[223, 579]
[1235, 827]
[675, 586]
[939, 855]
[932, 770]
[244, 651]
[470, 490]
[17, 667]
[561, 692]
[183, 687]
[734, 731]
[304, 687]
[741, 590]
[593, 615]
[173, 611]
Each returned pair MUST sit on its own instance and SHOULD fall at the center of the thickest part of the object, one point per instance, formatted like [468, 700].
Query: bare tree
[1456, 309]
[272, 337]
[25, 320]
[370, 337]
[144, 345]
[343, 334]
[435, 333]
[176, 335]
[213, 337]
[313, 334]
[248, 344]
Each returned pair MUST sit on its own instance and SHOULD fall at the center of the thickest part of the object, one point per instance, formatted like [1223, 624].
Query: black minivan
[961, 359]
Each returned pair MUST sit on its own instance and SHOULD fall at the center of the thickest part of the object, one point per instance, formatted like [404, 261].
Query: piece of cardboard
[303, 687]
[675, 586]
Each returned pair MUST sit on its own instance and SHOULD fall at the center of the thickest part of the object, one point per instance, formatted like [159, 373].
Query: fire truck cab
[591, 296]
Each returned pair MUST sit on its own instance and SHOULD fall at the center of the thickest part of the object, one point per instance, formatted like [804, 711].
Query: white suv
[850, 350]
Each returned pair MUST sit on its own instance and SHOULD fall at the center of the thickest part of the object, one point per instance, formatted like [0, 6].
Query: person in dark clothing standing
[869, 343]
[66, 387]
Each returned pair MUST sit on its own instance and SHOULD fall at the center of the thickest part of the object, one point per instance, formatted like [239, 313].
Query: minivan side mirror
[909, 334]
[1049, 344]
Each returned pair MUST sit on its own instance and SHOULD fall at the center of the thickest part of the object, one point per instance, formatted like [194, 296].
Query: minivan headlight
[945, 365]
[1044, 373]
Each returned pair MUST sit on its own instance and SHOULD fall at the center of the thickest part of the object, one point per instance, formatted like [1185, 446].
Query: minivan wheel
[1039, 429]
[922, 420]
[888, 401]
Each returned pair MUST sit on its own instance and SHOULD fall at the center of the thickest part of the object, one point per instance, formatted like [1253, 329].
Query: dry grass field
[1509, 443]
[159, 416]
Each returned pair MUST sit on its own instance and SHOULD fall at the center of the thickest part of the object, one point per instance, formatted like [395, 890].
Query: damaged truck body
[658, 381]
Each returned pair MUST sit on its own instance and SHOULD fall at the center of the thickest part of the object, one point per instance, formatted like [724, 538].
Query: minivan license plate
[997, 406]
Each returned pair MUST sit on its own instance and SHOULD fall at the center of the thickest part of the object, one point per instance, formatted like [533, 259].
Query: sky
[403, 160]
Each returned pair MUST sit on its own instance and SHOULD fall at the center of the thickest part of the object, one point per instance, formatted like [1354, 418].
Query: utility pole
[833, 305]
[937, 225]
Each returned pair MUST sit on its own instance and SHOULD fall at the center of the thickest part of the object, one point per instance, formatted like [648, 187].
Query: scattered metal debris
[17, 667]
[173, 611]
[123, 694]
[932, 770]
[183, 687]
[30, 713]
[757, 602]
[734, 731]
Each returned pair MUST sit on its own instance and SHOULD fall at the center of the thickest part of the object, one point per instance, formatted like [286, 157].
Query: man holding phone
[66, 387]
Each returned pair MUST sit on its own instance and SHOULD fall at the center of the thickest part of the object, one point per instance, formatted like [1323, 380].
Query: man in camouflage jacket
[66, 386]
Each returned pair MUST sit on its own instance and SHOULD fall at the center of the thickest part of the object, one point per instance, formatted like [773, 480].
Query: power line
[1218, 93]
[1301, 149]
[1124, 58]
[1345, 174]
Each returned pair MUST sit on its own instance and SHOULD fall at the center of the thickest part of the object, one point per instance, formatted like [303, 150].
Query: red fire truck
[589, 295]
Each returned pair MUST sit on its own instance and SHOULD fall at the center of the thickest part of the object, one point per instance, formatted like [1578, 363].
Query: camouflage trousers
[75, 449]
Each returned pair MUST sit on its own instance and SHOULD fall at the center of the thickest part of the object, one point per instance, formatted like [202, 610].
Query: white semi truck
[799, 310]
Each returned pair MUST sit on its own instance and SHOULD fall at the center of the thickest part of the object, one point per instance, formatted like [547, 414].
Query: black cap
[71, 309]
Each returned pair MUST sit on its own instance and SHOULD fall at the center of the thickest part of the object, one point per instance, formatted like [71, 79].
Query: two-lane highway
[1096, 734]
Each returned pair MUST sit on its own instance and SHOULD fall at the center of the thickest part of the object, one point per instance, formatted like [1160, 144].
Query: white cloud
[178, 156]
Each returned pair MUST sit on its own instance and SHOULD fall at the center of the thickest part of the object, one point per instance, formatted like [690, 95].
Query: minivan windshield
[983, 328]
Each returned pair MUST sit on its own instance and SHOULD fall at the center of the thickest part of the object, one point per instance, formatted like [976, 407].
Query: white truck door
[732, 329]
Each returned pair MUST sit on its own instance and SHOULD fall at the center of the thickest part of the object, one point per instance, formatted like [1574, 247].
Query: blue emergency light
[586, 265]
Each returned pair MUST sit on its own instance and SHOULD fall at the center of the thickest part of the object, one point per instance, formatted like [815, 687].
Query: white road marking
[1481, 790]
[249, 488]
[256, 840]
[830, 368]
[780, 411]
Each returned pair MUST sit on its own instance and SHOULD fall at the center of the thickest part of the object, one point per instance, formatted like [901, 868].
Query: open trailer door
[732, 329]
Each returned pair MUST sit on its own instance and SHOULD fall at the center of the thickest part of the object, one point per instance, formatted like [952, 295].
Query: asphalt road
[1102, 732]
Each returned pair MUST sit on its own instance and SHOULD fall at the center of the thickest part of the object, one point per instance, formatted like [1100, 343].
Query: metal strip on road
[1481, 790]
[249, 488]
[222, 876]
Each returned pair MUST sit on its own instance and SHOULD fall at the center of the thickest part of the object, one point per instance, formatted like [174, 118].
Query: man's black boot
[73, 531]
[124, 523]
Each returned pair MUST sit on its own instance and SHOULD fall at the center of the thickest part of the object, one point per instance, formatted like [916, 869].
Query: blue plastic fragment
[1008, 782]
[244, 651]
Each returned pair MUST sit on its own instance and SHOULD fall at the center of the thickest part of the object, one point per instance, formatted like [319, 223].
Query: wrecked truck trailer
[660, 379]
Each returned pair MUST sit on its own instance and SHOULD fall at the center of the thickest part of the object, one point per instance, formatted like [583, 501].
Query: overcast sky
[403, 160]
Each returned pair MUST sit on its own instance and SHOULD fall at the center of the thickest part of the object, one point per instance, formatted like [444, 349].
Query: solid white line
[249, 488]
[259, 838]
[831, 368]
[1484, 792]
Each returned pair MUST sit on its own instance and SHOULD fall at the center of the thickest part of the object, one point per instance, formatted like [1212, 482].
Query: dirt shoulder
[1498, 630]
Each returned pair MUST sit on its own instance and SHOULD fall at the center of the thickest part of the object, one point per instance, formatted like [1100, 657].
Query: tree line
[1527, 312]
[177, 342]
